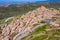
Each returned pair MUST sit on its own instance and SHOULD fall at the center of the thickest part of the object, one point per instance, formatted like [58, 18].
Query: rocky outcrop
[27, 20]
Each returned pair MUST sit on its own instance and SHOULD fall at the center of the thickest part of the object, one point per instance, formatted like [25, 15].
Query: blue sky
[16, 1]
[1, 1]
[22, 0]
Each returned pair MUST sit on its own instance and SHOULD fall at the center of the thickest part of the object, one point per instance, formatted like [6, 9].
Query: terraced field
[41, 33]
[45, 32]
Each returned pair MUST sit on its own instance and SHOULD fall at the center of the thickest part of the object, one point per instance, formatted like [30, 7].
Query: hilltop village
[25, 23]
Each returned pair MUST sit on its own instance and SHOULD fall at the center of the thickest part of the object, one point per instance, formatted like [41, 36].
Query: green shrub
[40, 37]
[13, 34]
[35, 25]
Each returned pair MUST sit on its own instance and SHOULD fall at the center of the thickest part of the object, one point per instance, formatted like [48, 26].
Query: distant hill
[13, 10]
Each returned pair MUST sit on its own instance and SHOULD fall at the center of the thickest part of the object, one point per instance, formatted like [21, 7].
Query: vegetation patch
[35, 24]
[39, 29]
[0, 30]
[40, 37]
[57, 14]
[13, 34]
[42, 21]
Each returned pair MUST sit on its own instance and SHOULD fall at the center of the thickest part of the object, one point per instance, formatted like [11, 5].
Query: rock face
[27, 20]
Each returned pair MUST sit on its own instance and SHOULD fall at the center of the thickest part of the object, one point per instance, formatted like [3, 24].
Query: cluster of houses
[30, 18]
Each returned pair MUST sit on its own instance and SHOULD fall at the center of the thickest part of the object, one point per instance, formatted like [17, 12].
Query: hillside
[26, 23]
[13, 10]
[30, 22]
[17, 10]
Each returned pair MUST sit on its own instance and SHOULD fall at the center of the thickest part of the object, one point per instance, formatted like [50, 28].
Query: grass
[2, 21]
[39, 29]
[36, 31]
[12, 10]
[42, 21]
[52, 38]
[16, 12]
[40, 37]
[8, 20]
[0, 29]
[57, 32]
[47, 34]
[57, 14]
[35, 24]
[24, 23]
[13, 34]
